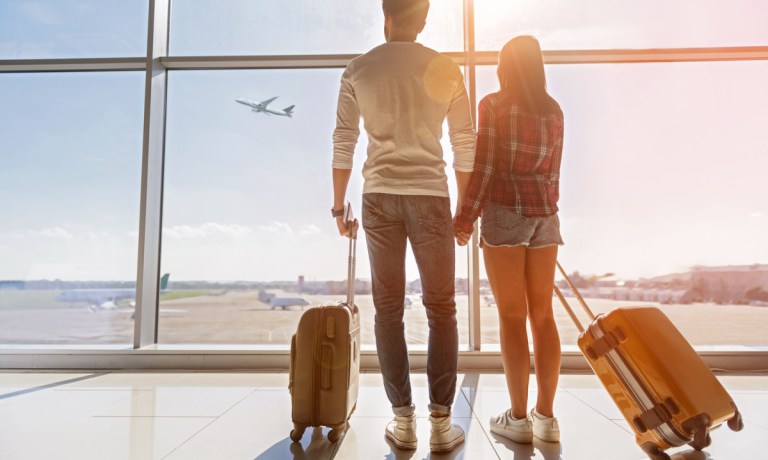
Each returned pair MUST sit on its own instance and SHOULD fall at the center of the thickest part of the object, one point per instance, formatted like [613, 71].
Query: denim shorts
[500, 226]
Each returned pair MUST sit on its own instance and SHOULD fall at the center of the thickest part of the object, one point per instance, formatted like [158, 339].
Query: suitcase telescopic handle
[351, 223]
[576, 292]
[573, 316]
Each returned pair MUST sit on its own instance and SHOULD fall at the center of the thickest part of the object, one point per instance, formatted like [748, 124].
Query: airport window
[244, 27]
[50, 29]
[69, 201]
[247, 197]
[608, 24]
[662, 192]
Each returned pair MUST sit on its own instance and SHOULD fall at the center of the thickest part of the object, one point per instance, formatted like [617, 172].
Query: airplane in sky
[263, 107]
[105, 299]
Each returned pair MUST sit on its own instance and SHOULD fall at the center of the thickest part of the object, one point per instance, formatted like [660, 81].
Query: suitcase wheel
[335, 434]
[297, 432]
[654, 452]
[660, 456]
[701, 440]
[736, 423]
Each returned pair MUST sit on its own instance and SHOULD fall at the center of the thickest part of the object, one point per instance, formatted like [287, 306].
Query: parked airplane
[263, 107]
[265, 296]
[105, 299]
[285, 302]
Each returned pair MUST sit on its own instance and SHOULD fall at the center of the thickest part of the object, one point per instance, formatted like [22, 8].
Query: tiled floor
[247, 416]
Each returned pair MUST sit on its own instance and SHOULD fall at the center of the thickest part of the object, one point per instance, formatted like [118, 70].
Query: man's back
[404, 91]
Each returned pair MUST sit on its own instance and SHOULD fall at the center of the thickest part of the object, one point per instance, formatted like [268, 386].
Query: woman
[515, 184]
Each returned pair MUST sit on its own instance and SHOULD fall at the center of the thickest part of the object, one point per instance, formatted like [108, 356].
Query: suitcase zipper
[640, 395]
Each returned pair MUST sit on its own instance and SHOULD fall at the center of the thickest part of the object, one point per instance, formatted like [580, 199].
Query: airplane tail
[164, 281]
[289, 110]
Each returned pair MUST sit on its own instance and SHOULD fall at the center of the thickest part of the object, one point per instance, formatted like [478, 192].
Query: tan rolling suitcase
[325, 361]
[665, 391]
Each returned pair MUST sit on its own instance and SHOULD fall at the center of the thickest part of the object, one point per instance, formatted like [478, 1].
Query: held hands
[462, 237]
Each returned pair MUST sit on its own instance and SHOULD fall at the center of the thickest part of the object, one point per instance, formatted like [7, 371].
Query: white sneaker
[445, 436]
[545, 428]
[514, 429]
[402, 431]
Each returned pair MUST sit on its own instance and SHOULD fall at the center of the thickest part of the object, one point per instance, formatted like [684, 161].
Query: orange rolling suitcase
[665, 391]
[325, 361]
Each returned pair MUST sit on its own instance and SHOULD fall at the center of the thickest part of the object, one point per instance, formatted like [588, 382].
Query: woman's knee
[513, 313]
[541, 317]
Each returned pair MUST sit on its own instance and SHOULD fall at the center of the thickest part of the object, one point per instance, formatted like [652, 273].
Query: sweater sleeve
[478, 189]
[347, 124]
[461, 131]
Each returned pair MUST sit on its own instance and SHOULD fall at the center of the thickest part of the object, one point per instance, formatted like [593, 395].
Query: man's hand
[345, 229]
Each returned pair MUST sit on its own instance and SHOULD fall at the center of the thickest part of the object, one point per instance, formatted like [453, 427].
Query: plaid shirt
[517, 162]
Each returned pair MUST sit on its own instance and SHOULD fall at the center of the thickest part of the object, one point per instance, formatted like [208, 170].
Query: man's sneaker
[402, 431]
[514, 429]
[545, 428]
[445, 436]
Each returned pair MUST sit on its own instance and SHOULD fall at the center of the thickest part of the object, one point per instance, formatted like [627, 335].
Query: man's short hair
[410, 13]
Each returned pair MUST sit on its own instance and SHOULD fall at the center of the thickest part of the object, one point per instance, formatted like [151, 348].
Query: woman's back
[520, 149]
[525, 139]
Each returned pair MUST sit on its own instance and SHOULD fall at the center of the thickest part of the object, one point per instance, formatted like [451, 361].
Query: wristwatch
[337, 212]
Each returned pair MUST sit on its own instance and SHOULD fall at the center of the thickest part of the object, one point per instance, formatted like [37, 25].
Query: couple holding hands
[508, 172]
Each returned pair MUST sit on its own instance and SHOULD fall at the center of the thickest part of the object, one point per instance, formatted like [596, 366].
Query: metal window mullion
[473, 253]
[319, 61]
[73, 65]
[618, 56]
[151, 209]
[628, 56]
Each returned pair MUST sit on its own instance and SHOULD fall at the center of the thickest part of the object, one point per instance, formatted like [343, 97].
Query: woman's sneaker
[545, 428]
[515, 429]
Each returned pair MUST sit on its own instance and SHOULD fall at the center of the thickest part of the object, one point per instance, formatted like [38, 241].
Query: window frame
[156, 64]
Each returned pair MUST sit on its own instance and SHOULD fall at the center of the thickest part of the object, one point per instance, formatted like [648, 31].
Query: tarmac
[238, 317]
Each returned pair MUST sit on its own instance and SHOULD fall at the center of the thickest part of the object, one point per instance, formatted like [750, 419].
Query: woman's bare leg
[506, 274]
[540, 279]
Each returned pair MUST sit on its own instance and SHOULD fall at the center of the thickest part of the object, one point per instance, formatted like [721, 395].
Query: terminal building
[165, 185]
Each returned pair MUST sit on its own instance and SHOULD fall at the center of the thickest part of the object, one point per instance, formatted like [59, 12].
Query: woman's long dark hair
[521, 75]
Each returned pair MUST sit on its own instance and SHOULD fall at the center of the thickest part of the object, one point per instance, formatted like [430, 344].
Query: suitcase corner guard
[605, 344]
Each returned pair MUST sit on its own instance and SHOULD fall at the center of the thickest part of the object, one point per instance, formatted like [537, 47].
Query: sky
[664, 164]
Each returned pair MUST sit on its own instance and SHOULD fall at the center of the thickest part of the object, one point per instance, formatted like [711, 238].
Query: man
[404, 91]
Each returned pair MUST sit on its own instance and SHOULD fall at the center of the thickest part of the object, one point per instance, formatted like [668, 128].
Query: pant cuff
[439, 408]
[404, 411]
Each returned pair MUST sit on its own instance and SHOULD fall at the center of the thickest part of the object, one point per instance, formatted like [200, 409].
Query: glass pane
[244, 27]
[248, 237]
[46, 29]
[663, 192]
[608, 24]
[69, 197]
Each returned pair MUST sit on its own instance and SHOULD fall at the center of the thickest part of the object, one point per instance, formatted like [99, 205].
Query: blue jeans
[389, 222]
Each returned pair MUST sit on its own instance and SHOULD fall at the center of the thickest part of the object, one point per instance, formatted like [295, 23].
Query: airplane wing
[267, 102]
